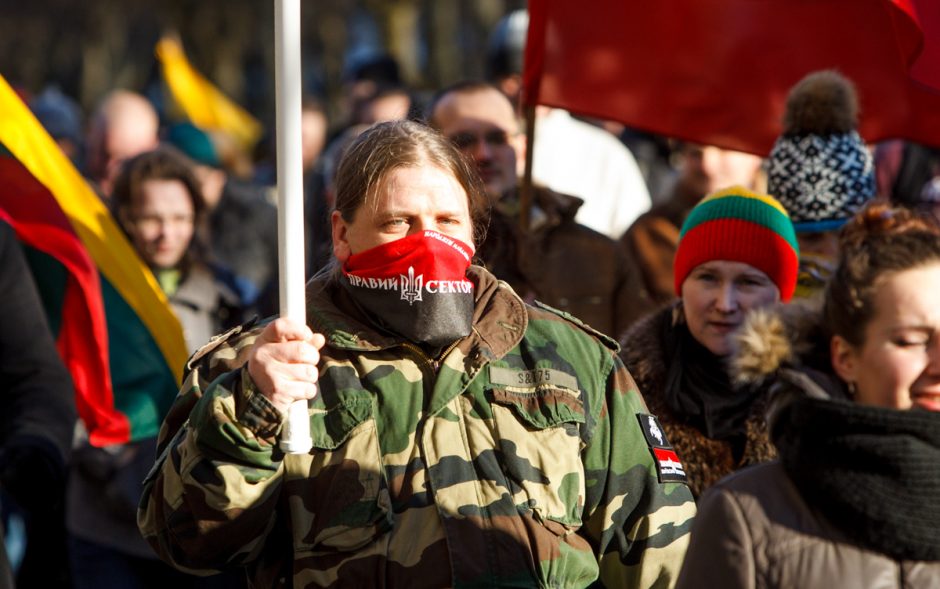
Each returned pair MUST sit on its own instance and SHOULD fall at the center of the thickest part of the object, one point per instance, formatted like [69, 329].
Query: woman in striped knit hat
[737, 252]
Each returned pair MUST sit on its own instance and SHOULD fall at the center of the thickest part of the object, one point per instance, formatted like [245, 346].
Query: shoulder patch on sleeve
[217, 340]
[604, 338]
[668, 466]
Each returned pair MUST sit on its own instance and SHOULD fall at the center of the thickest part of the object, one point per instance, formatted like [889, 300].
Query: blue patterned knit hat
[820, 169]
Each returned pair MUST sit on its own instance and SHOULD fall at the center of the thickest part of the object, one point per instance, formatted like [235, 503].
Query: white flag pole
[295, 436]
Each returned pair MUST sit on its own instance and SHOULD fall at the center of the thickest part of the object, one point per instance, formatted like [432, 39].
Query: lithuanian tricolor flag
[114, 328]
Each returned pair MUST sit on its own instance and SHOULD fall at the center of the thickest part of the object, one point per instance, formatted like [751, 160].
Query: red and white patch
[669, 468]
[668, 463]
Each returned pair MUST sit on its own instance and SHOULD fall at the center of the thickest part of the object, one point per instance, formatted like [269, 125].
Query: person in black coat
[37, 411]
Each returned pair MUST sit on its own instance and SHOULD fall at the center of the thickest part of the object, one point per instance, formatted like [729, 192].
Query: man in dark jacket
[558, 261]
[37, 406]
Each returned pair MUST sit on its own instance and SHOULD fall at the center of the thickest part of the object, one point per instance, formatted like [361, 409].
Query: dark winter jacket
[651, 243]
[562, 263]
[243, 233]
[850, 503]
[37, 403]
[648, 356]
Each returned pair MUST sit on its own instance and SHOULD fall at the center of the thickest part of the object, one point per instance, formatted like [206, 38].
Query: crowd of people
[709, 369]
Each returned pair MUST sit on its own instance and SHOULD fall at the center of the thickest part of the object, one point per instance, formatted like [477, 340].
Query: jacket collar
[787, 336]
[549, 208]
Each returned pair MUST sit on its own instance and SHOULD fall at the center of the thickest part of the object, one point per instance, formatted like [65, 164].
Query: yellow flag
[203, 103]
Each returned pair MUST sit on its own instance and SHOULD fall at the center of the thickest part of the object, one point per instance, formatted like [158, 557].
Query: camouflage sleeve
[638, 525]
[209, 500]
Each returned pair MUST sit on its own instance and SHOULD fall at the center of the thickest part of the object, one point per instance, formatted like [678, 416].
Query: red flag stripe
[83, 339]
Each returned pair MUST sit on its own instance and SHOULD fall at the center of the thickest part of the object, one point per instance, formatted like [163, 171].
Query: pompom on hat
[738, 225]
[819, 168]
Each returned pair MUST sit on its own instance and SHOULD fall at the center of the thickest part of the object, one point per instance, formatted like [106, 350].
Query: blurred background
[88, 48]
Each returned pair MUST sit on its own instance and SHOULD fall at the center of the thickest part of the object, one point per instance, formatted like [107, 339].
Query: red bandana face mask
[416, 286]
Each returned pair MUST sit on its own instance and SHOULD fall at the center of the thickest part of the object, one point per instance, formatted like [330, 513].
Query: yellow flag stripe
[107, 245]
[205, 105]
[745, 193]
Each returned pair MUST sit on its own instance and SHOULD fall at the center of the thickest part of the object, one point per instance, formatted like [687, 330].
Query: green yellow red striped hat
[739, 225]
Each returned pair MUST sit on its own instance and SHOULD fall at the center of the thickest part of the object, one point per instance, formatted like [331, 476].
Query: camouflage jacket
[518, 460]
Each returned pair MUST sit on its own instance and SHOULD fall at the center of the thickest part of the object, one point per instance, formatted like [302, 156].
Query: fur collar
[775, 338]
[642, 351]
[785, 349]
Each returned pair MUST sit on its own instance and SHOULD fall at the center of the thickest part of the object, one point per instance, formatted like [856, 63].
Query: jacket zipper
[434, 364]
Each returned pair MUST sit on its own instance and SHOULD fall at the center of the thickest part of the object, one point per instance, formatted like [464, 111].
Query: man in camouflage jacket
[523, 459]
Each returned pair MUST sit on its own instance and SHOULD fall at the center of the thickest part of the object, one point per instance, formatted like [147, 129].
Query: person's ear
[844, 359]
[340, 231]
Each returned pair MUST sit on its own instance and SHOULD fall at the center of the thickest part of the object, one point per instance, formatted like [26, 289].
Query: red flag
[718, 71]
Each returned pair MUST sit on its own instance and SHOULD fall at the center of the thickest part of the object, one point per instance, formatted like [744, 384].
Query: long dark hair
[163, 163]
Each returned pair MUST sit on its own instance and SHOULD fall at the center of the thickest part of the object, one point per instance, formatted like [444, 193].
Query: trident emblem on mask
[411, 286]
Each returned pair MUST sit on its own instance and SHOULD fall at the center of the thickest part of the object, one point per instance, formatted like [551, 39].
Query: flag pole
[295, 436]
[525, 193]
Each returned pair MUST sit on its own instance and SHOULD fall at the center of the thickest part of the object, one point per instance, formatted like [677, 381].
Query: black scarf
[873, 472]
[698, 389]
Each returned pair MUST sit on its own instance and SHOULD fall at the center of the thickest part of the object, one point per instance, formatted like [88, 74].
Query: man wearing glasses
[558, 262]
